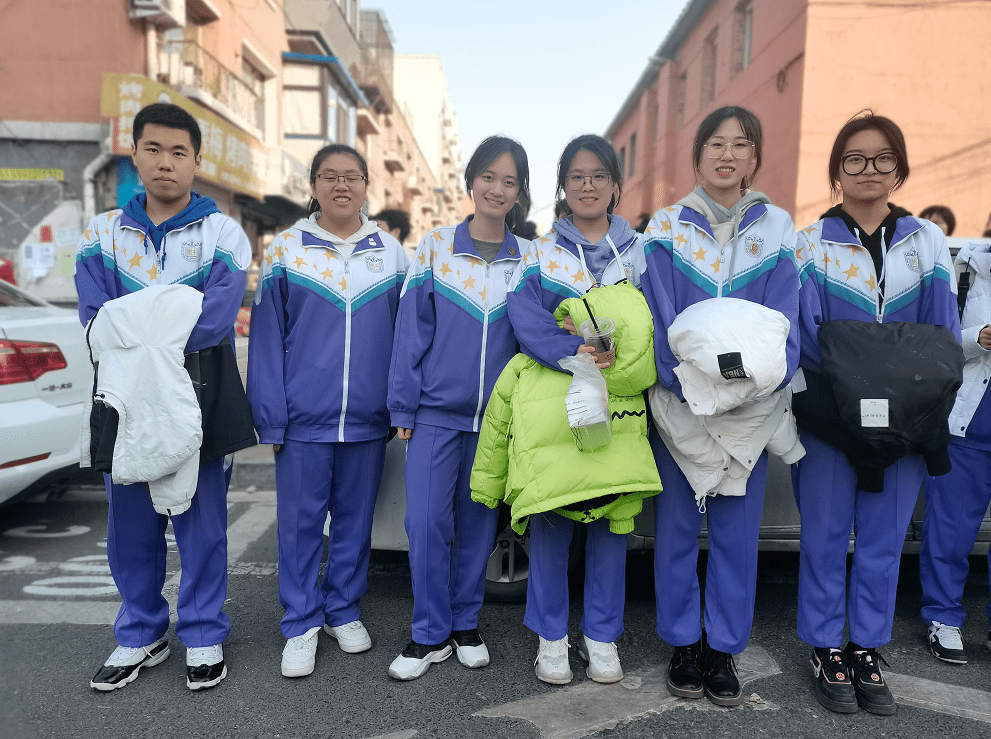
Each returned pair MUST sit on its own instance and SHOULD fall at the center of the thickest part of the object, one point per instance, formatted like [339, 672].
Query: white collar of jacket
[315, 235]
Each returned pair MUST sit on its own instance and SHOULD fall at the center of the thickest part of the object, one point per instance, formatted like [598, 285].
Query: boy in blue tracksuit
[167, 235]
[321, 342]
[453, 339]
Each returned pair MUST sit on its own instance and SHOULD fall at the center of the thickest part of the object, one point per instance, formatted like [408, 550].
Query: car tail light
[25, 361]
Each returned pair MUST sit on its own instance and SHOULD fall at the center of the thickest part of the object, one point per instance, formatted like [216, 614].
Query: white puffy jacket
[717, 435]
[138, 341]
[975, 258]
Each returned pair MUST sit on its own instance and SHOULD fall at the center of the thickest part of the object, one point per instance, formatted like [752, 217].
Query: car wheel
[508, 569]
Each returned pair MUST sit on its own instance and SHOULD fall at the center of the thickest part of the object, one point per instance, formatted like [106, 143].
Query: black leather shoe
[719, 679]
[685, 672]
[873, 694]
[833, 687]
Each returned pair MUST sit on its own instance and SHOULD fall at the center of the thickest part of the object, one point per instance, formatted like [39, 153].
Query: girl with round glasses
[867, 260]
[723, 240]
[592, 246]
[318, 361]
[453, 339]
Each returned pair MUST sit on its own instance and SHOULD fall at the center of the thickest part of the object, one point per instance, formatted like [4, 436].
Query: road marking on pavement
[57, 612]
[588, 708]
[952, 700]
[396, 735]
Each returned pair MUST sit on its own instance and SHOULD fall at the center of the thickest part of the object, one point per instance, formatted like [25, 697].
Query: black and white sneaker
[123, 666]
[416, 659]
[946, 643]
[205, 666]
[833, 687]
[873, 693]
[470, 648]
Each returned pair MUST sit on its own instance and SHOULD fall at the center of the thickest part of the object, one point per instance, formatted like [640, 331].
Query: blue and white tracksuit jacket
[553, 270]
[453, 339]
[839, 282]
[956, 502]
[318, 365]
[686, 265]
[206, 250]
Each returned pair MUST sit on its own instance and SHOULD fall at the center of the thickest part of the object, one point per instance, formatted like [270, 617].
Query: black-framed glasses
[599, 180]
[351, 179]
[739, 149]
[884, 163]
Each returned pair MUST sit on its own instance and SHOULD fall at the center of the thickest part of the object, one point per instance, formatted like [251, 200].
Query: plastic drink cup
[599, 338]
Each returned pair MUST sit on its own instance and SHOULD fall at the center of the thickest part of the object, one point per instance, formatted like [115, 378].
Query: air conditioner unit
[165, 13]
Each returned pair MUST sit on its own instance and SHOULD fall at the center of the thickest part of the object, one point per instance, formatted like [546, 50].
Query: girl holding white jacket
[721, 241]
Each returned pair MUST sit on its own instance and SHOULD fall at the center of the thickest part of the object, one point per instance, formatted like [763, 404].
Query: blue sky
[542, 71]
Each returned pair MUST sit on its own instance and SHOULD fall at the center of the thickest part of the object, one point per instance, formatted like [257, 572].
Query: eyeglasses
[739, 149]
[885, 163]
[599, 180]
[351, 179]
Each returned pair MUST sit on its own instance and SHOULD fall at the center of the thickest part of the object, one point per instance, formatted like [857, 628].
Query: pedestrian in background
[164, 236]
[591, 246]
[318, 364]
[453, 338]
[942, 217]
[864, 260]
[394, 222]
[723, 240]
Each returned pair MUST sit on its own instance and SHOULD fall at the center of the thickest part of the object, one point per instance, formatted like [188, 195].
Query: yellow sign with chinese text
[232, 158]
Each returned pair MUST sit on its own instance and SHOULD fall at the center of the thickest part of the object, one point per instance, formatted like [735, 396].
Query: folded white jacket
[138, 341]
[731, 351]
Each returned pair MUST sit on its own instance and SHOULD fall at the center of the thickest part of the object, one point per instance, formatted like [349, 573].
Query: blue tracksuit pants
[955, 506]
[733, 524]
[136, 551]
[450, 535]
[831, 506]
[311, 479]
[547, 605]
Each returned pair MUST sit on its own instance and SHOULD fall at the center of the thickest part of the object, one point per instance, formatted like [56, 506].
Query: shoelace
[686, 654]
[553, 651]
[720, 661]
[864, 659]
[204, 655]
[352, 626]
[122, 654]
[299, 643]
[948, 636]
[603, 651]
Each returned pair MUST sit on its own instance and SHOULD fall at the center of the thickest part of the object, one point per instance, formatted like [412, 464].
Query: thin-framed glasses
[351, 179]
[884, 163]
[739, 149]
[599, 180]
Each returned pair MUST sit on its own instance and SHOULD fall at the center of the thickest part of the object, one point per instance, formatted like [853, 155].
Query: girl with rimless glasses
[723, 240]
[592, 246]
[864, 260]
[318, 361]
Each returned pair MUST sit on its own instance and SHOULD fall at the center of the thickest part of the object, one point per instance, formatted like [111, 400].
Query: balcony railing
[184, 63]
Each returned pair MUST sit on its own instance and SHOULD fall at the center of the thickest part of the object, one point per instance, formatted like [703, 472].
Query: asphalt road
[57, 604]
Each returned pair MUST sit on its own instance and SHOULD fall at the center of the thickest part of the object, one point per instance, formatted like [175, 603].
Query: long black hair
[603, 151]
[318, 159]
[487, 152]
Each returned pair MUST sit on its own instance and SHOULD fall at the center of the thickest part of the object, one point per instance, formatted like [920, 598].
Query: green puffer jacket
[527, 454]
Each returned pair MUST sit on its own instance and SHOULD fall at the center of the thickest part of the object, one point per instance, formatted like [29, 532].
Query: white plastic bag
[587, 403]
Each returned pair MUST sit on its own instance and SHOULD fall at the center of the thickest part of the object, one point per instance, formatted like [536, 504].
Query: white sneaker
[416, 659]
[351, 637]
[946, 643]
[603, 660]
[123, 666]
[471, 650]
[300, 654]
[205, 666]
[551, 664]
